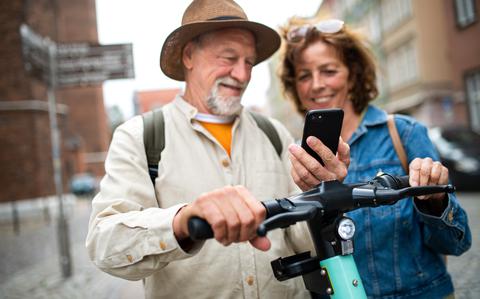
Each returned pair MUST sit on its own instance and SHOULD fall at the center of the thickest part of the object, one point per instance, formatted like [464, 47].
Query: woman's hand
[426, 172]
[308, 172]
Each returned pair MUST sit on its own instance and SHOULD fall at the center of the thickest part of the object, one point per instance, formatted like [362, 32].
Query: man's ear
[187, 55]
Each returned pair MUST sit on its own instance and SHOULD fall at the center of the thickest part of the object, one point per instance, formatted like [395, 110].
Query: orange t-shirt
[221, 132]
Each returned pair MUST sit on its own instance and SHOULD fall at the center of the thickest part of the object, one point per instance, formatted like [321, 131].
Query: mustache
[232, 82]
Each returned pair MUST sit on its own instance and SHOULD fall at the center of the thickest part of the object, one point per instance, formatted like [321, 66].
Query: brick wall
[25, 141]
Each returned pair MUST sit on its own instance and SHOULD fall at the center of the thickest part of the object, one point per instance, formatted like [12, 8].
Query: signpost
[61, 65]
[76, 64]
[35, 53]
[83, 64]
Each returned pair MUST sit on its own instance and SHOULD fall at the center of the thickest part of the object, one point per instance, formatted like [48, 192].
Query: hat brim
[267, 42]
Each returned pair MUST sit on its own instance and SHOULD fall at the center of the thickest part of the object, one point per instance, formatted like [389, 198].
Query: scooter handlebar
[199, 229]
[382, 190]
[393, 182]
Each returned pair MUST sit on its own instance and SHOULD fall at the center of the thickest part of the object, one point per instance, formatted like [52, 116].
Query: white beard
[225, 105]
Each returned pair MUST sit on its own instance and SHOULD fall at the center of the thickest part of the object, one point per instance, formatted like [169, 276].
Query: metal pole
[15, 218]
[63, 236]
[46, 211]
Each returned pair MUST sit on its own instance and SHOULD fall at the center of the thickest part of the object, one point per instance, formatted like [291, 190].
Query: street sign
[35, 53]
[83, 64]
[75, 64]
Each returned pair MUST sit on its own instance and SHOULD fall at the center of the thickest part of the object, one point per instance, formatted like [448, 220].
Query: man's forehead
[230, 38]
[230, 33]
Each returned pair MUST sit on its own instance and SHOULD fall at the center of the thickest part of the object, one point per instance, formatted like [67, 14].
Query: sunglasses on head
[331, 26]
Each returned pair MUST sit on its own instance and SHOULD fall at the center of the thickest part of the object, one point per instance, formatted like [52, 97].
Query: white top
[130, 232]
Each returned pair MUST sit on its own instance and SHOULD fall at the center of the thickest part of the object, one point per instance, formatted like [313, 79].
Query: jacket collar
[373, 117]
[185, 107]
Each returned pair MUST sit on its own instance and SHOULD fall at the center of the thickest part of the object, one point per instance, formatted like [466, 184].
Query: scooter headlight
[346, 228]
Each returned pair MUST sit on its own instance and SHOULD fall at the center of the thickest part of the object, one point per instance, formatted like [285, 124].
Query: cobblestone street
[29, 265]
[465, 269]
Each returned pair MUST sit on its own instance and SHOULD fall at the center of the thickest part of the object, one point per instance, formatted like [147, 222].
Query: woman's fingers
[426, 172]
[307, 172]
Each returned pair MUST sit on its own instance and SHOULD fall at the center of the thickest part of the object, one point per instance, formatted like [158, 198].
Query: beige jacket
[130, 232]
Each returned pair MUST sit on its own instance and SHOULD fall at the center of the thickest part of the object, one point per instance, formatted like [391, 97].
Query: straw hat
[202, 16]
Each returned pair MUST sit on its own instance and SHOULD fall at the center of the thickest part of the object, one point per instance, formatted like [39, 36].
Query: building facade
[463, 33]
[146, 100]
[425, 57]
[26, 148]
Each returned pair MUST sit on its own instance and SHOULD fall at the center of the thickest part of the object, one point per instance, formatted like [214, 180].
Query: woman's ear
[351, 83]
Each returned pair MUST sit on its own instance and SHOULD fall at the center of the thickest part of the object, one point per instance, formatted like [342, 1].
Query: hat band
[221, 18]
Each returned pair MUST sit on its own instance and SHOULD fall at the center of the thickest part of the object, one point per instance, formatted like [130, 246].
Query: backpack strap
[154, 139]
[267, 127]
[397, 142]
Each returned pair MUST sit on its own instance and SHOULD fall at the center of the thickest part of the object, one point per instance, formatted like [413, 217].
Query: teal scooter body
[344, 277]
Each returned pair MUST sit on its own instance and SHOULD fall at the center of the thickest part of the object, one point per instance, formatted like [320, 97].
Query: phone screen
[326, 125]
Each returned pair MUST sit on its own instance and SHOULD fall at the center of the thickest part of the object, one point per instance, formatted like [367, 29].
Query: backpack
[154, 137]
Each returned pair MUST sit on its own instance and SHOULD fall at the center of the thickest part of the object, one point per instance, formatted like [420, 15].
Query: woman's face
[321, 78]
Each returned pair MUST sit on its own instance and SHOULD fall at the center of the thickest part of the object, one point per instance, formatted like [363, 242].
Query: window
[394, 12]
[465, 12]
[402, 66]
[472, 84]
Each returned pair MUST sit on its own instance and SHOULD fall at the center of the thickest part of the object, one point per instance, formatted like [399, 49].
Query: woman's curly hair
[352, 51]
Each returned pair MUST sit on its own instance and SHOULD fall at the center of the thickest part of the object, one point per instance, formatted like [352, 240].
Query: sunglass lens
[297, 34]
[330, 26]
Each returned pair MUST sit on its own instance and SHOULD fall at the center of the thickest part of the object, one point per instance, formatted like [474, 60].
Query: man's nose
[241, 72]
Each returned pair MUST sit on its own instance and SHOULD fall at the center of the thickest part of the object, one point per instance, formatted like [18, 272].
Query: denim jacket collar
[373, 117]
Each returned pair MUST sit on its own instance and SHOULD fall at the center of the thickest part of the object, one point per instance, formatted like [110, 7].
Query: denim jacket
[398, 249]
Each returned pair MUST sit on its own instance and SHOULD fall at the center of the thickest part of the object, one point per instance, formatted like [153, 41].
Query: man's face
[218, 68]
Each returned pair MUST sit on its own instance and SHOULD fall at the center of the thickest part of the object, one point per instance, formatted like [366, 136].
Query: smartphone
[326, 125]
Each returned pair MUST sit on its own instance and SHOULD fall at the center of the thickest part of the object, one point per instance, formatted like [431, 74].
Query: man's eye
[250, 62]
[229, 58]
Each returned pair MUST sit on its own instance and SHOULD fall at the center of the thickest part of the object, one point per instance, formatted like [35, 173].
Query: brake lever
[286, 219]
[413, 191]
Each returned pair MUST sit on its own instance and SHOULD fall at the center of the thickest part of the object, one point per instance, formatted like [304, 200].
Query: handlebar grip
[393, 182]
[199, 229]
[403, 182]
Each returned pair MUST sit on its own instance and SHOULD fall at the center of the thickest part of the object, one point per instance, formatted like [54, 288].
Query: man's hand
[232, 212]
[308, 172]
[426, 172]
